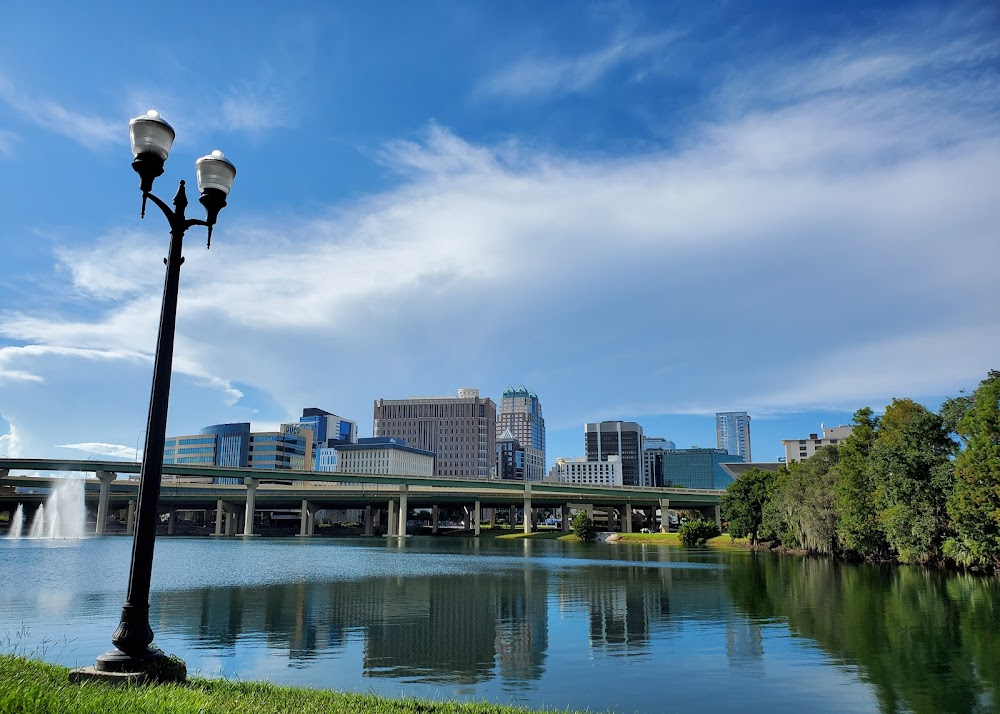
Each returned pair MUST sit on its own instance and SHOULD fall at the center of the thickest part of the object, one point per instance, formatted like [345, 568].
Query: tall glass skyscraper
[521, 412]
[732, 433]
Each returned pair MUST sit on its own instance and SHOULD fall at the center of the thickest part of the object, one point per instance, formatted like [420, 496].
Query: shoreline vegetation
[912, 487]
[28, 685]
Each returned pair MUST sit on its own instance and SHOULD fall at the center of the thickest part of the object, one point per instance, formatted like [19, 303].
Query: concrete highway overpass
[189, 487]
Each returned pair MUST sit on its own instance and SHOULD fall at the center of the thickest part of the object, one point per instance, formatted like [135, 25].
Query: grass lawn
[722, 541]
[537, 535]
[35, 687]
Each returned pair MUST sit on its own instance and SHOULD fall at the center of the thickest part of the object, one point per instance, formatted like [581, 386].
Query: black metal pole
[134, 634]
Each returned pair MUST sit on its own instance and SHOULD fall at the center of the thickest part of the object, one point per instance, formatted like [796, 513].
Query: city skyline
[614, 204]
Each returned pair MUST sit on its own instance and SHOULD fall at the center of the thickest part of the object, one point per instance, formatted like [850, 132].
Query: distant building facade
[653, 450]
[510, 457]
[617, 438]
[384, 455]
[460, 431]
[234, 445]
[288, 449]
[697, 468]
[521, 413]
[216, 445]
[587, 472]
[329, 431]
[802, 449]
[732, 433]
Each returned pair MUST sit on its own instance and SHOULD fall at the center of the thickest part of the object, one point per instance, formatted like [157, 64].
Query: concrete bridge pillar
[717, 512]
[251, 484]
[664, 518]
[435, 518]
[220, 512]
[392, 520]
[564, 511]
[513, 517]
[477, 511]
[627, 518]
[369, 524]
[307, 519]
[404, 509]
[171, 521]
[130, 518]
[105, 477]
[527, 507]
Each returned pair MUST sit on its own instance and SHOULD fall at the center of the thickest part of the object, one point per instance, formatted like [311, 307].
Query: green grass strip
[34, 687]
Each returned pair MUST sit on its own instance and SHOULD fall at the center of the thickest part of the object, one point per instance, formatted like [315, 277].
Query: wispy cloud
[88, 130]
[537, 76]
[7, 141]
[115, 451]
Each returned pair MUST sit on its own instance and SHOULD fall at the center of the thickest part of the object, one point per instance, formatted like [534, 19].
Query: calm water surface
[540, 623]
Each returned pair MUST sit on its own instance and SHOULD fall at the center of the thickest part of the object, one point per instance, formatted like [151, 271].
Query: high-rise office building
[653, 450]
[329, 431]
[510, 457]
[732, 433]
[619, 438]
[461, 430]
[521, 412]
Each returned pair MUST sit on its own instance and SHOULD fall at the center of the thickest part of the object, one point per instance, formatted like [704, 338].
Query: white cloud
[115, 451]
[810, 252]
[10, 445]
[537, 76]
[87, 130]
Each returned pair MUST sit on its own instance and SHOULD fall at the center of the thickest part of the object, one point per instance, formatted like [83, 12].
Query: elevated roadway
[192, 487]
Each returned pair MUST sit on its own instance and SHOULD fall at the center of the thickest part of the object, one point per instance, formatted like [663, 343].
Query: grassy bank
[35, 688]
[537, 535]
[722, 541]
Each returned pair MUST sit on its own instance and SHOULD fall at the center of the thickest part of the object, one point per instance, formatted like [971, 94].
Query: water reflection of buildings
[422, 628]
[465, 629]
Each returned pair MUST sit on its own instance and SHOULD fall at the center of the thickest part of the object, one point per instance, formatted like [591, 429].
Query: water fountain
[62, 516]
[16, 523]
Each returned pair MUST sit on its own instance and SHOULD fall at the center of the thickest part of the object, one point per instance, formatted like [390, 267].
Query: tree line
[912, 486]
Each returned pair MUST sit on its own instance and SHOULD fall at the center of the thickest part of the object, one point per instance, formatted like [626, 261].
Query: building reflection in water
[462, 629]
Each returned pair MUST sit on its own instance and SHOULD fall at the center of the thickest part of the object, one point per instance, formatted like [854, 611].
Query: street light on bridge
[151, 139]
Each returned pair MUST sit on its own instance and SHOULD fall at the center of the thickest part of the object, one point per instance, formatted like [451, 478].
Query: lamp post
[151, 141]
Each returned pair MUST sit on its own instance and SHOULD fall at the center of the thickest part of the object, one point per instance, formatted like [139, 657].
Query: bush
[583, 527]
[697, 532]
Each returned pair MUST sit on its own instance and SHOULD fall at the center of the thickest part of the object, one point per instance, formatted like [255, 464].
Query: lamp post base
[151, 665]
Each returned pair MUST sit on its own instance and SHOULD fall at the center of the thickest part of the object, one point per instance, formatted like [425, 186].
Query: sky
[641, 211]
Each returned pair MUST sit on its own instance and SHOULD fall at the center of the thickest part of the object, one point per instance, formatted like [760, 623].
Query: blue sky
[648, 211]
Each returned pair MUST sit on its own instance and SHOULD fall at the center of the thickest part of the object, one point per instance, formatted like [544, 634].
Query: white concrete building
[580, 470]
[384, 455]
[801, 449]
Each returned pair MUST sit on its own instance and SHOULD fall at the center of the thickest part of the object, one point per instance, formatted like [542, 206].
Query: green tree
[583, 526]
[805, 502]
[913, 475]
[744, 501]
[858, 528]
[974, 505]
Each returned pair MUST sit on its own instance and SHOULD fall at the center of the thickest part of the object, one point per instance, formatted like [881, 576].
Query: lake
[630, 628]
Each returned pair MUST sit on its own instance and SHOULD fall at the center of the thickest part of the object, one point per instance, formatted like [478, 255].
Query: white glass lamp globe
[150, 134]
[215, 171]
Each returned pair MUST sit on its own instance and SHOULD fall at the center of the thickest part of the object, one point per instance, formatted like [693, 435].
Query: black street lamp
[151, 141]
